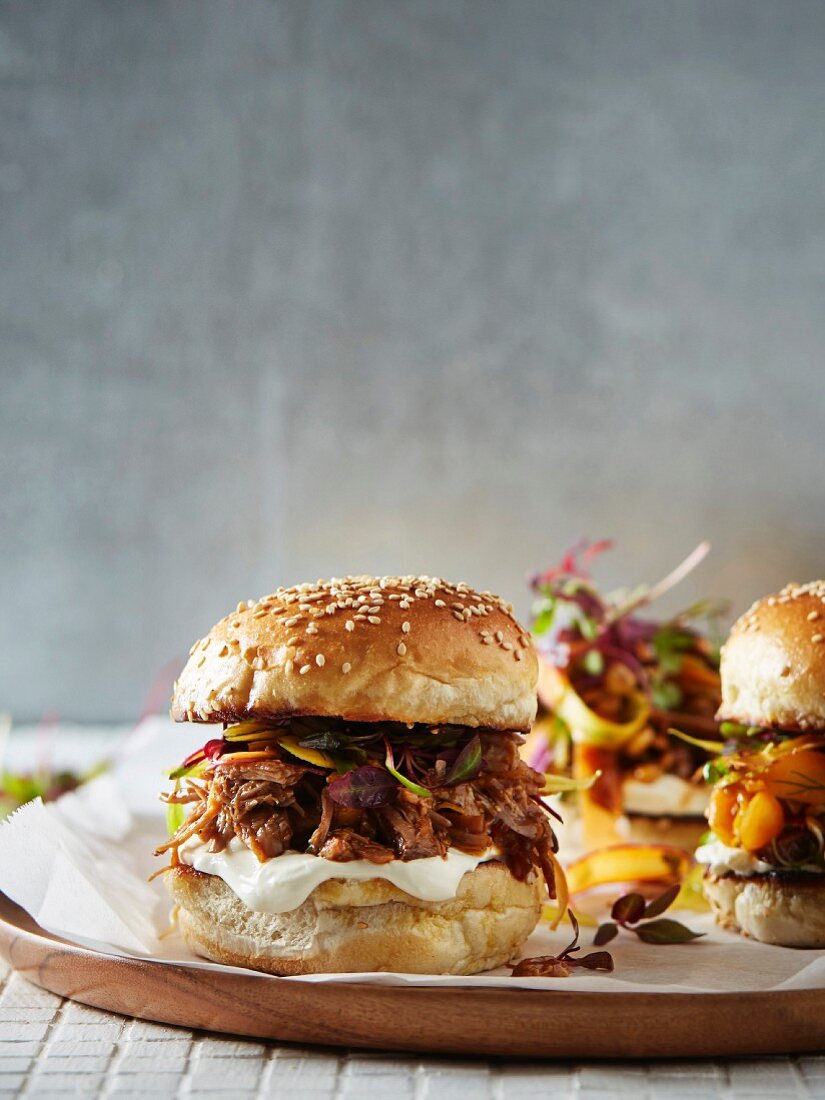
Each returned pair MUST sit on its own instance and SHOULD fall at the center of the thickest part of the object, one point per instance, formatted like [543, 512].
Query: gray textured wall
[292, 289]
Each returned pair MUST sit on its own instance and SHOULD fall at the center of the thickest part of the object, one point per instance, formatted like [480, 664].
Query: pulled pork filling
[376, 791]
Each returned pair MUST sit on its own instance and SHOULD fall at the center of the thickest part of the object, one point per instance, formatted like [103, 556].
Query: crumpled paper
[80, 866]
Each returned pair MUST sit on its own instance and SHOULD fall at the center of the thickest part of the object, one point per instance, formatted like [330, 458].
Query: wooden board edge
[484, 1022]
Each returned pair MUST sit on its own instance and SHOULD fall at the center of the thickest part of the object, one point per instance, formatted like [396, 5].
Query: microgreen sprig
[630, 909]
[562, 965]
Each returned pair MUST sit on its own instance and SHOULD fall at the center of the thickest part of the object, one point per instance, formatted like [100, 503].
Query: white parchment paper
[79, 867]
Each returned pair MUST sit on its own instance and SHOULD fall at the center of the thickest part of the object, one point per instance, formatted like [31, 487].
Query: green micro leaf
[666, 931]
[664, 901]
[466, 764]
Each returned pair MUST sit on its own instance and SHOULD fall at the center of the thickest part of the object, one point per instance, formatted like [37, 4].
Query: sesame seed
[507, 645]
[349, 625]
[499, 636]
[312, 629]
[812, 616]
[374, 619]
[818, 637]
[320, 660]
[292, 622]
[457, 606]
[518, 654]
[440, 603]
[289, 664]
[345, 667]
[400, 649]
[241, 607]
[201, 662]
[360, 618]
[405, 627]
[304, 669]
[459, 616]
[487, 641]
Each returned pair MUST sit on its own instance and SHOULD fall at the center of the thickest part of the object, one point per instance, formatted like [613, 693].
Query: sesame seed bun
[347, 926]
[403, 649]
[773, 663]
[783, 909]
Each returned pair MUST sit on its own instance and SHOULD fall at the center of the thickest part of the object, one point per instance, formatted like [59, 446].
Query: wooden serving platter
[515, 1023]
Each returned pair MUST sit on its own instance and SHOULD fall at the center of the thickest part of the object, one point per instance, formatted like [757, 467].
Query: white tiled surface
[51, 1047]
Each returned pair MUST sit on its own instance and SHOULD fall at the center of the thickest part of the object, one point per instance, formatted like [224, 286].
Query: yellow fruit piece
[587, 727]
[798, 776]
[628, 863]
[724, 803]
[310, 756]
[759, 821]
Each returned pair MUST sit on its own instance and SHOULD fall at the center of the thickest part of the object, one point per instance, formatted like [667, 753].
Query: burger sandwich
[765, 860]
[612, 683]
[359, 802]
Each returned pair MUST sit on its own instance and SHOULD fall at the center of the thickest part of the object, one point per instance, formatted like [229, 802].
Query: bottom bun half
[348, 926]
[788, 910]
[679, 832]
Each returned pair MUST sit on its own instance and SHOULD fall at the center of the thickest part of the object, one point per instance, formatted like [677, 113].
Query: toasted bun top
[402, 649]
[773, 663]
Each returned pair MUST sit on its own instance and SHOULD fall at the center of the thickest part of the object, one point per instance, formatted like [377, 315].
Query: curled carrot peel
[562, 890]
[628, 863]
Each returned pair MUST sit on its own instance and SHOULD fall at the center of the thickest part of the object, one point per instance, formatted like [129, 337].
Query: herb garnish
[630, 909]
[363, 788]
[562, 965]
[588, 632]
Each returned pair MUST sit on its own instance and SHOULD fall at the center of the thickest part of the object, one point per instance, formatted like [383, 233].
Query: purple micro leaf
[628, 909]
[605, 933]
[363, 788]
[596, 960]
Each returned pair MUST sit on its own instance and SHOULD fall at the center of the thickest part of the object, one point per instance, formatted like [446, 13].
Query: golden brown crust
[372, 926]
[784, 910]
[406, 649]
[773, 663]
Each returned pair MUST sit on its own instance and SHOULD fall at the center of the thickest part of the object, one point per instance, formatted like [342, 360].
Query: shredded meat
[414, 830]
[347, 845]
[275, 805]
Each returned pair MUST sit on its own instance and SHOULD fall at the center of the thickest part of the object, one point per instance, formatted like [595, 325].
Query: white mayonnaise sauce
[667, 796]
[281, 884]
[719, 859]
